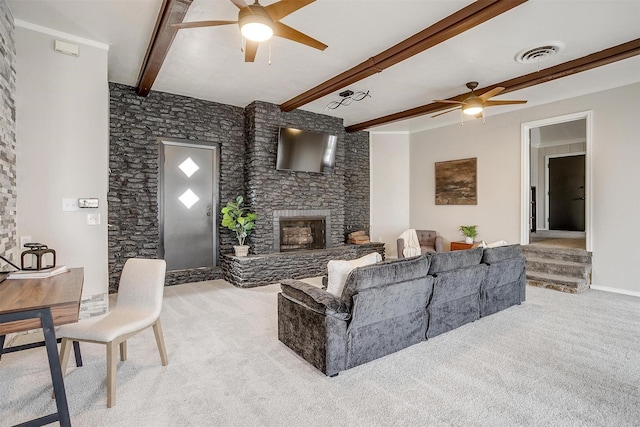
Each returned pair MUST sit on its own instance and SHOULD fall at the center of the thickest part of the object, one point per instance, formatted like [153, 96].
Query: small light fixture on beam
[348, 96]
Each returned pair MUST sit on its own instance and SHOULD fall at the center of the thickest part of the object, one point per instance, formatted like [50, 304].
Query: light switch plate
[93, 219]
[69, 205]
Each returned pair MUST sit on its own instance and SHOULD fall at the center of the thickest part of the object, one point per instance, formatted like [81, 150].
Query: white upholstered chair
[138, 306]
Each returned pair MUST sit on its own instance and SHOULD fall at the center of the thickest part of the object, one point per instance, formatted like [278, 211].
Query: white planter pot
[241, 250]
[468, 240]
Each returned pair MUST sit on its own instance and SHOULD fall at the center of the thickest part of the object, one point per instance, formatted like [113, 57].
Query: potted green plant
[469, 232]
[236, 218]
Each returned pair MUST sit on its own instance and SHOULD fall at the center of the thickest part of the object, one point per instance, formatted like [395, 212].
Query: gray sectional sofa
[391, 305]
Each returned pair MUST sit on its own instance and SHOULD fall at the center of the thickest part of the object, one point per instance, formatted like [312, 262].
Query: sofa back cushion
[493, 255]
[447, 261]
[383, 273]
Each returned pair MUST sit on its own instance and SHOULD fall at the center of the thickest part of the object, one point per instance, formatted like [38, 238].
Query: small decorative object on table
[469, 232]
[236, 218]
[35, 257]
[359, 237]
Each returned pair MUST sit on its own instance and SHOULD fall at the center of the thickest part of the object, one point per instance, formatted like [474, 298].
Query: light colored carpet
[579, 243]
[556, 360]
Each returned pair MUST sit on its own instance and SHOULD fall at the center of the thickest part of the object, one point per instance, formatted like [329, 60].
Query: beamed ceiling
[405, 54]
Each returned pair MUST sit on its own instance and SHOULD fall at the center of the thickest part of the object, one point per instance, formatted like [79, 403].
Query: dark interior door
[566, 193]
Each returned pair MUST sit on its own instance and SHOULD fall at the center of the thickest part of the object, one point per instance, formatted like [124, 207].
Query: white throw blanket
[411, 244]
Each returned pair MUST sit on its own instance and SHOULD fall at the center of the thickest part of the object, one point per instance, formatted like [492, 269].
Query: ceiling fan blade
[250, 50]
[506, 102]
[446, 101]
[198, 24]
[286, 32]
[489, 94]
[445, 112]
[279, 10]
[240, 4]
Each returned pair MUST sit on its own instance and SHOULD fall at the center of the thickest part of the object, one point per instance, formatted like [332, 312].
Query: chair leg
[65, 350]
[76, 352]
[157, 330]
[111, 373]
[1, 344]
[123, 350]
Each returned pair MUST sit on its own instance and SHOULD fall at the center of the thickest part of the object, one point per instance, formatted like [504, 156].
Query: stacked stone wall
[7, 135]
[136, 126]
[248, 141]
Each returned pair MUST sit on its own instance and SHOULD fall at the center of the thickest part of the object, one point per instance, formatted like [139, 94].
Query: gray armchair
[429, 242]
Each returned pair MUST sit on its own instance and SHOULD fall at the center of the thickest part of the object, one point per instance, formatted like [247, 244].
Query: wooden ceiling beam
[594, 60]
[457, 23]
[171, 12]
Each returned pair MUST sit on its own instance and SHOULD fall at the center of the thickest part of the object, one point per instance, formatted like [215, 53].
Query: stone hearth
[258, 270]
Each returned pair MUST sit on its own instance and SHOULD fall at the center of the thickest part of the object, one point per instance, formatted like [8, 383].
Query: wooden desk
[459, 246]
[42, 303]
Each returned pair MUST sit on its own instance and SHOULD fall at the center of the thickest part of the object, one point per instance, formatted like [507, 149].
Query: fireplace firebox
[298, 233]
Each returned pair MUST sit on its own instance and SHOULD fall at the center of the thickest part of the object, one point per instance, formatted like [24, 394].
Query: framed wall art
[457, 182]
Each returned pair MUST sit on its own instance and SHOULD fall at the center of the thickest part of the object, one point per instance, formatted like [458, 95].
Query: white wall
[62, 115]
[389, 189]
[615, 157]
[497, 213]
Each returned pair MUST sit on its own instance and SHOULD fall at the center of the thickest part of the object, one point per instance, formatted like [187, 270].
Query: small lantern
[36, 255]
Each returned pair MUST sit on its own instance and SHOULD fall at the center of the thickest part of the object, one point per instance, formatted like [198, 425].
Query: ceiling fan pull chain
[483, 117]
[243, 42]
[269, 50]
[461, 118]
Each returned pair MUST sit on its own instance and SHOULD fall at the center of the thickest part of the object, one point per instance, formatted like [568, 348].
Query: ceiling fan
[474, 104]
[258, 23]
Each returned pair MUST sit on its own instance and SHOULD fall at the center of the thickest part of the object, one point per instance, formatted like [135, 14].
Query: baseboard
[616, 290]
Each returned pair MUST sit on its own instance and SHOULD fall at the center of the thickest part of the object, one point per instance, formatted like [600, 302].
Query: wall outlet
[24, 240]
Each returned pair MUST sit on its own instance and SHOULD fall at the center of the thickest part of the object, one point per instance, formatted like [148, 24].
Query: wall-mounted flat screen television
[306, 151]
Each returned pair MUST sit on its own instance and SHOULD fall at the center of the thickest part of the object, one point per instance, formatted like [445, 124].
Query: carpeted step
[554, 266]
[558, 282]
[564, 254]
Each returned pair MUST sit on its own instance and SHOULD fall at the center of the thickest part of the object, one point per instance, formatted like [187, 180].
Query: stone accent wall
[258, 270]
[248, 146]
[136, 124]
[269, 189]
[7, 134]
[357, 184]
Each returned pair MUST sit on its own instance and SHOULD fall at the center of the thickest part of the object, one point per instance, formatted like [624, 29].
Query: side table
[461, 245]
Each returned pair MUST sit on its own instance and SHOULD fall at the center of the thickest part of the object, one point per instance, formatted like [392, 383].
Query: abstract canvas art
[457, 182]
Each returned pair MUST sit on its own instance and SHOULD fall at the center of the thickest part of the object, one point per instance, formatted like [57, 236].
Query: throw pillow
[338, 271]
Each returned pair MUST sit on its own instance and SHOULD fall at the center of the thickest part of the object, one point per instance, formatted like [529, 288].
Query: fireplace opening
[298, 233]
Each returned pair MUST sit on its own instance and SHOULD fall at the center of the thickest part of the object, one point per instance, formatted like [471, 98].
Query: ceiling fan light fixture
[472, 107]
[256, 31]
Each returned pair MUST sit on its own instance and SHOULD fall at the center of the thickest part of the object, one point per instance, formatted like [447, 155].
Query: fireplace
[298, 233]
[301, 229]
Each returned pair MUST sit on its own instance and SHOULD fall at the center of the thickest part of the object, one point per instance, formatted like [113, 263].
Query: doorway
[556, 158]
[565, 194]
[188, 203]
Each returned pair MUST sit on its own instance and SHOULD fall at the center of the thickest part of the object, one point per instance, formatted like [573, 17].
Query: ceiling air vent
[538, 54]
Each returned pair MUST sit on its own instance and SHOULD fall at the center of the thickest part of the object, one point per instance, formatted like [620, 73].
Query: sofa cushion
[493, 255]
[338, 270]
[446, 261]
[383, 273]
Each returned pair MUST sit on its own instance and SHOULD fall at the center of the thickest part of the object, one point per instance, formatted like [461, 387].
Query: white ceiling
[207, 63]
